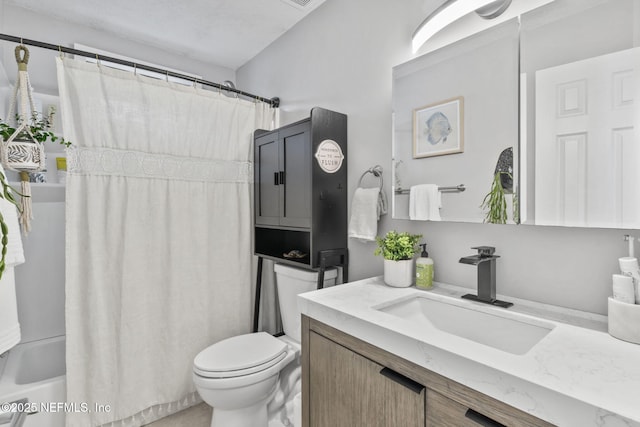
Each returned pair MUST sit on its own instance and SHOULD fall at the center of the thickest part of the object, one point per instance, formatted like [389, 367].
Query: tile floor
[196, 416]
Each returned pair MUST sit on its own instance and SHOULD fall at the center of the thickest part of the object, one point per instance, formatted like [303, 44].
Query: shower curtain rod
[274, 102]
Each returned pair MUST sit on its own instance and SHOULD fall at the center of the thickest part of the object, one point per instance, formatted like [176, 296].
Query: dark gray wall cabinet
[300, 174]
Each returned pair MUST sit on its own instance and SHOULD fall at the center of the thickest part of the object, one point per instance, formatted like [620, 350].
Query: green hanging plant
[40, 128]
[7, 194]
[495, 202]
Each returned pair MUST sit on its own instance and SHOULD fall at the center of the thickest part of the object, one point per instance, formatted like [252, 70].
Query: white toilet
[239, 376]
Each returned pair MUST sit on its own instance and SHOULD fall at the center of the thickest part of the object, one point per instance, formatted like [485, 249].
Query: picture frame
[438, 128]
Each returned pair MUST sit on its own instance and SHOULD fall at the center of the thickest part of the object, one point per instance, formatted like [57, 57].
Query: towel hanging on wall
[367, 206]
[382, 196]
[425, 202]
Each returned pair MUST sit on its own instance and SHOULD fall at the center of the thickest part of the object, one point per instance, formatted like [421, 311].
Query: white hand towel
[382, 203]
[363, 223]
[9, 326]
[425, 202]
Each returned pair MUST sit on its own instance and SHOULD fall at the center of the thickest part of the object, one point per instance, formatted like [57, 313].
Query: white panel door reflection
[587, 147]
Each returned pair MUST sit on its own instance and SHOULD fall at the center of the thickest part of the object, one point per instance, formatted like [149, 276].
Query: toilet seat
[240, 355]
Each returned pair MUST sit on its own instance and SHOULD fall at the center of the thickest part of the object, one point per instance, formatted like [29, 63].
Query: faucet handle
[485, 251]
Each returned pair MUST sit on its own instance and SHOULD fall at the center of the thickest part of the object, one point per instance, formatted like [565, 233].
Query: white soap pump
[629, 267]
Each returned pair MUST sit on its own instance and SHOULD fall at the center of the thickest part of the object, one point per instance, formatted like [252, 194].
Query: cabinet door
[348, 390]
[267, 176]
[296, 157]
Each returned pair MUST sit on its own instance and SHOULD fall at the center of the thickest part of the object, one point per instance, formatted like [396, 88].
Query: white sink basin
[502, 330]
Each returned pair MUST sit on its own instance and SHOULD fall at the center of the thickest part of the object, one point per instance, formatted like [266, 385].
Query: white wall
[340, 57]
[40, 280]
[20, 22]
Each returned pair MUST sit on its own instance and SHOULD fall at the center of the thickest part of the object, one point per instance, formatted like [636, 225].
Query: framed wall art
[438, 128]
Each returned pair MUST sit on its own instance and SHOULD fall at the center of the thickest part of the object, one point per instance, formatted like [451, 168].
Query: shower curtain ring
[60, 51]
[167, 76]
[135, 69]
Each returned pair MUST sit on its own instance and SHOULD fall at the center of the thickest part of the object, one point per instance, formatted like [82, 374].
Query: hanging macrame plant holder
[22, 152]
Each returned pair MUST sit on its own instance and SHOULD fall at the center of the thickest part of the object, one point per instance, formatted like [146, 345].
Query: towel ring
[375, 171]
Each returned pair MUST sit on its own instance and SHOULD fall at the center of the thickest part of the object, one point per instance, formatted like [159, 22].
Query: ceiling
[226, 33]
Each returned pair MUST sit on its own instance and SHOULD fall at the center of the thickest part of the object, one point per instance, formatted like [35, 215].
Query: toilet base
[252, 416]
[280, 408]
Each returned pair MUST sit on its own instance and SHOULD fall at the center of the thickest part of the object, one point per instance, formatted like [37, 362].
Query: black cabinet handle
[281, 177]
[275, 178]
[402, 380]
[483, 420]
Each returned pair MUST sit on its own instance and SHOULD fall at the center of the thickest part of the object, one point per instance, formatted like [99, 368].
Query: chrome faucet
[486, 262]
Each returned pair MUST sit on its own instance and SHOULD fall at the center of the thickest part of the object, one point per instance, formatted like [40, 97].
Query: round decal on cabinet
[329, 156]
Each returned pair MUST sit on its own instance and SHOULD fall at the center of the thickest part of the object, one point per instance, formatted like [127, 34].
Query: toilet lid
[239, 355]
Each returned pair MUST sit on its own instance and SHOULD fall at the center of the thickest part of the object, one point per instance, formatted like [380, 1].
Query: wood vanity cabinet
[349, 383]
[300, 188]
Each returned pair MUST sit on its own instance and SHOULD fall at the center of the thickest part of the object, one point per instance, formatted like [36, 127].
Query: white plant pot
[24, 155]
[400, 274]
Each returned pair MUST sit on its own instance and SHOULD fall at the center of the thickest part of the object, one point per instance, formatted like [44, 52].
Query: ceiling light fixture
[452, 10]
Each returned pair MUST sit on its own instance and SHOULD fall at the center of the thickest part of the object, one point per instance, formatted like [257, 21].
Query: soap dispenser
[424, 270]
[629, 267]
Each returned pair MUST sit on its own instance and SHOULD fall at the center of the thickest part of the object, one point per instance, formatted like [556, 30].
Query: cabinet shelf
[44, 192]
[283, 227]
[274, 242]
[16, 184]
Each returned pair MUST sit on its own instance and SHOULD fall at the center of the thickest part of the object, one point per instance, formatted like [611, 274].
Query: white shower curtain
[158, 237]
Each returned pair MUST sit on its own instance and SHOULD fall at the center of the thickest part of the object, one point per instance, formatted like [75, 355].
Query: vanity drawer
[442, 411]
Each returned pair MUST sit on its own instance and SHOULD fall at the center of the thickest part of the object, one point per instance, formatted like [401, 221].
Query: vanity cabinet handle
[402, 380]
[482, 420]
[276, 179]
[281, 173]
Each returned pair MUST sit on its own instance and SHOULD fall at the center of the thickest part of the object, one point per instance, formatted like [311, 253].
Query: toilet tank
[292, 281]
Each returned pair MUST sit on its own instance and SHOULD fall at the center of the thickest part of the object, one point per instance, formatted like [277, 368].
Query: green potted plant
[398, 250]
[40, 128]
[24, 151]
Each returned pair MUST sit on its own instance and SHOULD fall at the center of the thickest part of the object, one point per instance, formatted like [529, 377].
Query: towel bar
[457, 188]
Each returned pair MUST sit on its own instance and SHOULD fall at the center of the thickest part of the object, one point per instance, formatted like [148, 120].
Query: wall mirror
[455, 110]
[580, 65]
[571, 116]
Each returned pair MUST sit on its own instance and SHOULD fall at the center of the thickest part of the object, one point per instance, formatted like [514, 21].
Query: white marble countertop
[577, 375]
